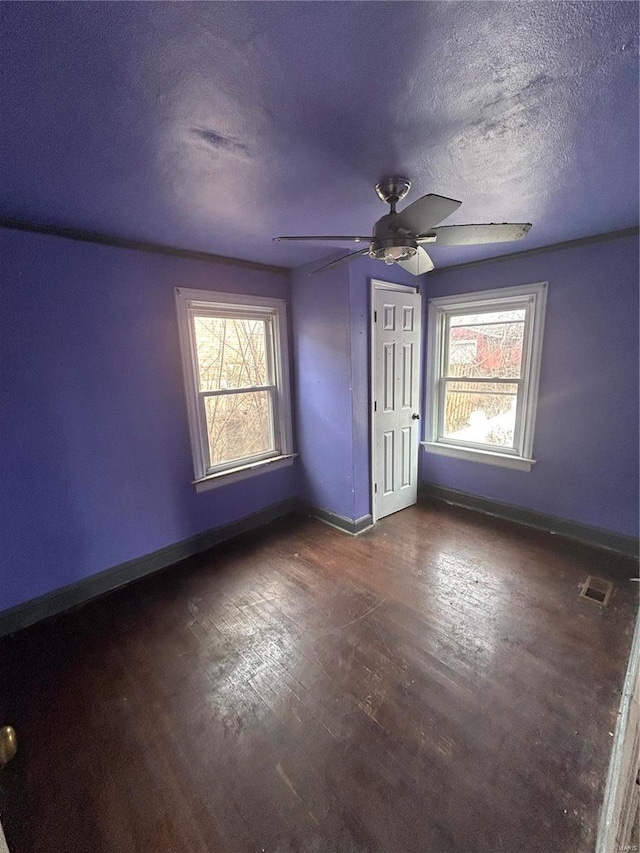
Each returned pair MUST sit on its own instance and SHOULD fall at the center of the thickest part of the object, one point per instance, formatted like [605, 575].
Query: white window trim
[189, 302]
[534, 297]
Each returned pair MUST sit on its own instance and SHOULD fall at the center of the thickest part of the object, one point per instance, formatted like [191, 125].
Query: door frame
[379, 284]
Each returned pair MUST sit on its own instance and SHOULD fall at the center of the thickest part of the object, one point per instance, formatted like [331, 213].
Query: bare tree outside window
[235, 358]
[232, 355]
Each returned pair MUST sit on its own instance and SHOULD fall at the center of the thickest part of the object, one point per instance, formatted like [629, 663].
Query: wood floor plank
[434, 685]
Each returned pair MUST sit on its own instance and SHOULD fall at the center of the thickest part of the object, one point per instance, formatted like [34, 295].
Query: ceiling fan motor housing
[388, 245]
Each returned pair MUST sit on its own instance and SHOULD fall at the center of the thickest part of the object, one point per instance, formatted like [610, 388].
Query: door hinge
[375, 406]
[375, 316]
[375, 488]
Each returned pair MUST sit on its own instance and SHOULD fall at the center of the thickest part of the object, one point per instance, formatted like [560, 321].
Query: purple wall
[94, 440]
[586, 438]
[320, 310]
[331, 335]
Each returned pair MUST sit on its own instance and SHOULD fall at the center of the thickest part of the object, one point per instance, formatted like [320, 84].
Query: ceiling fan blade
[472, 235]
[418, 264]
[331, 239]
[426, 212]
[340, 261]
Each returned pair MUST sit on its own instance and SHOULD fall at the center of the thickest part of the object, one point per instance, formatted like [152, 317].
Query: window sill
[243, 472]
[516, 463]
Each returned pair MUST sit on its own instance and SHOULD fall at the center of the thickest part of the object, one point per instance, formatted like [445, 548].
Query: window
[483, 363]
[235, 359]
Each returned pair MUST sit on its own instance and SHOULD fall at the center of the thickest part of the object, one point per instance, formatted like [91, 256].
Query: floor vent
[597, 590]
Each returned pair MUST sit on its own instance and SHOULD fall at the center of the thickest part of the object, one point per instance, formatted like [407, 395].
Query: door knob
[8, 744]
[415, 416]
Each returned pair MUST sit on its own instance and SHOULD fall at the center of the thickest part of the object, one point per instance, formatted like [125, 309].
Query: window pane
[481, 412]
[486, 344]
[515, 315]
[238, 425]
[231, 352]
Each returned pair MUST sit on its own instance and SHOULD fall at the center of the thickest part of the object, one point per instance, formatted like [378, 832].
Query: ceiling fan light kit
[393, 249]
[398, 236]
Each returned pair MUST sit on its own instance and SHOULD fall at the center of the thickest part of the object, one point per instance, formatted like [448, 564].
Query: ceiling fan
[398, 237]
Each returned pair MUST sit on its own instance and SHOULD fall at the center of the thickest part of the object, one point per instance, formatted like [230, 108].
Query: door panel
[389, 321]
[406, 456]
[407, 376]
[407, 319]
[396, 382]
[389, 374]
[387, 480]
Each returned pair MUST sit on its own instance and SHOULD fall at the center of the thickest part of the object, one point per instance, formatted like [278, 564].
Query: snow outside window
[484, 353]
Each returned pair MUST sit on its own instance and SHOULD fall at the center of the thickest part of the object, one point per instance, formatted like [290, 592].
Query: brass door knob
[8, 744]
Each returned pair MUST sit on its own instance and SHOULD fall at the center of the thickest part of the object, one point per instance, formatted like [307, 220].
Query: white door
[395, 385]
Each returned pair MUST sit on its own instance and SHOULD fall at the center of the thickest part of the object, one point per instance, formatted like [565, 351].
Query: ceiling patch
[218, 140]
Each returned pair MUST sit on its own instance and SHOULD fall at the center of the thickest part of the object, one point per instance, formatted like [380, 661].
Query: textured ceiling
[215, 126]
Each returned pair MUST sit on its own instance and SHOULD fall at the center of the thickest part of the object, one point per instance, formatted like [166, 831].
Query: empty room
[319, 437]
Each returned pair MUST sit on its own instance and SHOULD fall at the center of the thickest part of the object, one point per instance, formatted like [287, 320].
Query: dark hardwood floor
[433, 685]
